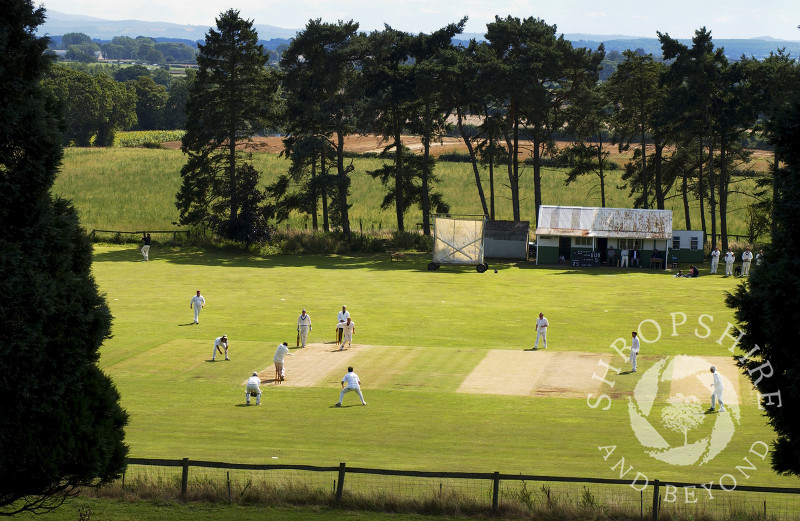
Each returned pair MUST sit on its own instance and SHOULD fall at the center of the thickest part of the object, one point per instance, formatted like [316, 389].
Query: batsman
[303, 327]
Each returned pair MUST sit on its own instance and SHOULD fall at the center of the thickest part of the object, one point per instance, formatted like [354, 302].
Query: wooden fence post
[340, 484]
[185, 477]
[496, 492]
[656, 485]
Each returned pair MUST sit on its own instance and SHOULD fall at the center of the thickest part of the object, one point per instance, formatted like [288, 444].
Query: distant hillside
[273, 37]
[58, 24]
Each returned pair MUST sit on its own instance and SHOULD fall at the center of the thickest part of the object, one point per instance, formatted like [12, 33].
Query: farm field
[445, 358]
[134, 189]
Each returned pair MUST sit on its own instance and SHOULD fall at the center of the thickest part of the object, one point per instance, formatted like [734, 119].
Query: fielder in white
[198, 303]
[747, 258]
[634, 350]
[714, 260]
[717, 393]
[341, 318]
[280, 355]
[303, 327]
[541, 331]
[729, 258]
[220, 343]
[350, 382]
[348, 328]
[253, 386]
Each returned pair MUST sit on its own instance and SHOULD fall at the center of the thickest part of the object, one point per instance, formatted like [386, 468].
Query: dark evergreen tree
[768, 304]
[323, 90]
[231, 100]
[62, 426]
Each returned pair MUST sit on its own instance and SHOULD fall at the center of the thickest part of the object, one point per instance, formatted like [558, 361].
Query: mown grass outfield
[419, 337]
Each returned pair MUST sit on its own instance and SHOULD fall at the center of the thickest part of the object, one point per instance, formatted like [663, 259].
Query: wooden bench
[657, 263]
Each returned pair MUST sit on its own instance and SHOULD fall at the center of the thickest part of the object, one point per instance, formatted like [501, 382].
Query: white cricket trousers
[253, 389]
[541, 333]
[634, 354]
[714, 264]
[729, 268]
[146, 251]
[717, 395]
[197, 313]
[347, 390]
[745, 268]
[303, 335]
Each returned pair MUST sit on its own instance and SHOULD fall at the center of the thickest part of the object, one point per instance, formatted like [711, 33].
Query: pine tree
[767, 307]
[62, 425]
[230, 101]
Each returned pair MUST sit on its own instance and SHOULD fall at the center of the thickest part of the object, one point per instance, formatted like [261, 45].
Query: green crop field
[130, 189]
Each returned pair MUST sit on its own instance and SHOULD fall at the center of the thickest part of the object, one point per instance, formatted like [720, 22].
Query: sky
[679, 18]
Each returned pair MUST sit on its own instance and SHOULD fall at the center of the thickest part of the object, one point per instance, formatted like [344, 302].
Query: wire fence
[457, 491]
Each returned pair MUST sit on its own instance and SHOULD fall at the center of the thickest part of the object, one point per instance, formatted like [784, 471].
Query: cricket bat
[298, 339]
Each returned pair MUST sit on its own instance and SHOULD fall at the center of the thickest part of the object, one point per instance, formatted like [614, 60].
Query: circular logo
[674, 383]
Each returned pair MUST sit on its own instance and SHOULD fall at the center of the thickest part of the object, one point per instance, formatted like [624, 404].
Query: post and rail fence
[492, 488]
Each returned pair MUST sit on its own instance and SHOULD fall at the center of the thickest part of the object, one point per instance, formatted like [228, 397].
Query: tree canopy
[62, 425]
[230, 101]
[768, 304]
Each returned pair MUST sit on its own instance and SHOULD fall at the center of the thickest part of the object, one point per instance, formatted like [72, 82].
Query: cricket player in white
[623, 259]
[747, 258]
[348, 328]
[714, 260]
[341, 318]
[717, 393]
[729, 258]
[253, 386]
[634, 350]
[303, 327]
[541, 331]
[280, 355]
[219, 344]
[350, 382]
[197, 302]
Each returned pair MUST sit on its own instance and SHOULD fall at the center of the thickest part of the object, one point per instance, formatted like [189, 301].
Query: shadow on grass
[417, 262]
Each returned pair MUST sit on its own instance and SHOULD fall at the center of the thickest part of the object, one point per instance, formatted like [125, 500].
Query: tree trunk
[325, 220]
[426, 154]
[657, 181]
[701, 191]
[314, 196]
[491, 178]
[723, 193]
[537, 178]
[645, 195]
[711, 195]
[601, 174]
[473, 159]
[342, 182]
[685, 196]
[398, 174]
